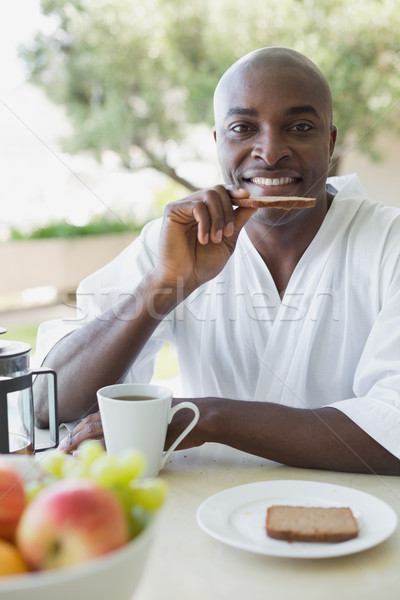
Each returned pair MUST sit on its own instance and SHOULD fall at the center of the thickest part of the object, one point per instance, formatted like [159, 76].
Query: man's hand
[198, 236]
[90, 428]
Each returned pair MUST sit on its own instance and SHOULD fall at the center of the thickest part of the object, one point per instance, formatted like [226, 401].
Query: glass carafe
[17, 413]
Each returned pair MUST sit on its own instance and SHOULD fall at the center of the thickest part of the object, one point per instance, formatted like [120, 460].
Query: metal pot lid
[9, 348]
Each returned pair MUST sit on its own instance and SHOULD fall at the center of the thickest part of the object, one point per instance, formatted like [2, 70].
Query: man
[285, 322]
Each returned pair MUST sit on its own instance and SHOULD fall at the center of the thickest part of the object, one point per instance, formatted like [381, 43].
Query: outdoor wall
[61, 263]
[380, 179]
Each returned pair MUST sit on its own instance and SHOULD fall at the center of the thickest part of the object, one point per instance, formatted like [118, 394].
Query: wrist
[169, 289]
[162, 296]
[211, 422]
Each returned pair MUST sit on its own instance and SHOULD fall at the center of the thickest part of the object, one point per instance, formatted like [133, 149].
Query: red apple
[69, 522]
[12, 501]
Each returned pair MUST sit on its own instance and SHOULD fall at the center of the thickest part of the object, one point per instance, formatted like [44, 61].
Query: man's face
[273, 132]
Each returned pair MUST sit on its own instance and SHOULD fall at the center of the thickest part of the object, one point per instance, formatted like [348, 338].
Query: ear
[332, 140]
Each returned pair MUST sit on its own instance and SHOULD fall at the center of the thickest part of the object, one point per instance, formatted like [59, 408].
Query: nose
[271, 147]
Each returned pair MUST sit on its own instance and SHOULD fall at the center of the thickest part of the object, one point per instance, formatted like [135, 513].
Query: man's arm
[198, 236]
[324, 438]
[315, 439]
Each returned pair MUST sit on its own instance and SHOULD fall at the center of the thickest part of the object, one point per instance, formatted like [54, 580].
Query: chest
[237, 331]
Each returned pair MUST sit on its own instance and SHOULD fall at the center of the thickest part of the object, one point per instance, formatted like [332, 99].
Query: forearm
[101, 352]
[315, 439]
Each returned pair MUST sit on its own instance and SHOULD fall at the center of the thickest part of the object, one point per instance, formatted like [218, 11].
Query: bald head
[264, 59]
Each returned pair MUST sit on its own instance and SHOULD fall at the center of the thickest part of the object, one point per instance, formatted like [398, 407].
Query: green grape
[89, 451]
[138, 518]
[72, 467]
[52, 463]
[32, 488]
[124, 496]
[130, 464]
[150, 494]
[104, 471]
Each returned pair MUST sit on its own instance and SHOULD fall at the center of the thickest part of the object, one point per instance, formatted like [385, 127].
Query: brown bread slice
[284, 202]
[311, 524]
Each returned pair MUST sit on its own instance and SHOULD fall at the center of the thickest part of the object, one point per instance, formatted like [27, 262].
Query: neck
[281, 241]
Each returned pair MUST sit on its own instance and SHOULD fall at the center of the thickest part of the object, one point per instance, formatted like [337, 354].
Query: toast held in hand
[283, 202]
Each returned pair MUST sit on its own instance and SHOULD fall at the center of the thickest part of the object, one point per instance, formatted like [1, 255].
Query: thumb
[237, 192]
[241, 216]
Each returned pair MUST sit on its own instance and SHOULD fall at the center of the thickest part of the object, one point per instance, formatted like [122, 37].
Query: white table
[187, 564]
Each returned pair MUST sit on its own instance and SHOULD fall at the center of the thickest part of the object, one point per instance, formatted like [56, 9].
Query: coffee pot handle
[53, 407]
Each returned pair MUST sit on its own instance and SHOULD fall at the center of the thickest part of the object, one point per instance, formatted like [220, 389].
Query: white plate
[237, 517]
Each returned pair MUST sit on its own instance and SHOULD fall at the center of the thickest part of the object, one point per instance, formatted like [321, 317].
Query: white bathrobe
[333, 339]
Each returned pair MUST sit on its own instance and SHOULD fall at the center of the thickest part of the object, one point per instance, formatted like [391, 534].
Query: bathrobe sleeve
[104, 289]
[376, 404]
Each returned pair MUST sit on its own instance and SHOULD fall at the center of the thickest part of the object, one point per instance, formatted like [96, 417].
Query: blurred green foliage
[63, 229]
[22, 333]
[135, 74]
[170, 192]
[166, 364]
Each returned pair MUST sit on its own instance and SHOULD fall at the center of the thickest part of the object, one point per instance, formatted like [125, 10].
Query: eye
[241, 128]
[301, 127]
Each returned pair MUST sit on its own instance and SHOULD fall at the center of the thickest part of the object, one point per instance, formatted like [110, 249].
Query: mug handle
[187, 429]
[53, 407]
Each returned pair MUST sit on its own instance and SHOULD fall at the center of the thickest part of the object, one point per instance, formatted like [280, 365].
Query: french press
[17, 413]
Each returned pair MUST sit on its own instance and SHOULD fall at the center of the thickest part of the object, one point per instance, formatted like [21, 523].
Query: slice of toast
[284, 202]
[311, 524]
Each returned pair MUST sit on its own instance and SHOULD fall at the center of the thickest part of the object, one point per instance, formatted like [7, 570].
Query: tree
[135, 74]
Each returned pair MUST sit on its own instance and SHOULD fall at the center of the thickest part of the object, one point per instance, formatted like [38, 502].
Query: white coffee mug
[136, 415]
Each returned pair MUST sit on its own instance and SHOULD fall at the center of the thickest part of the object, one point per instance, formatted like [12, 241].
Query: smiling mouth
[274, 181]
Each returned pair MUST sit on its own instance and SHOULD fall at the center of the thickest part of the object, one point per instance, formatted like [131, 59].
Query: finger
[236, 222]
[237, 192]
[66, 443]
[221, 213]
[202, 218]
[92, 418]
[227, 209]
[74, 440]
[209, 215]
[217, 218]
[242, 215]
[88, 428]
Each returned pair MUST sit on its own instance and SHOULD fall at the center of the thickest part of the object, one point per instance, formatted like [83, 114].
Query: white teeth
[273, 181]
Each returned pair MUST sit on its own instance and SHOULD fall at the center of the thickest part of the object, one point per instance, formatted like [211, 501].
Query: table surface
[187, 564]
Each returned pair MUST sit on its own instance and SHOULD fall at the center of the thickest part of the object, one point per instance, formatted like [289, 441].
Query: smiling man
[285, 322]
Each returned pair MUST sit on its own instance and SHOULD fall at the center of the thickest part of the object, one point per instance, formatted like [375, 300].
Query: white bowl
[114, 575]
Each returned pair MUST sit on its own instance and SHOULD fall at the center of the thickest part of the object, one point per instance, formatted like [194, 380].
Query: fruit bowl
[116, 574]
